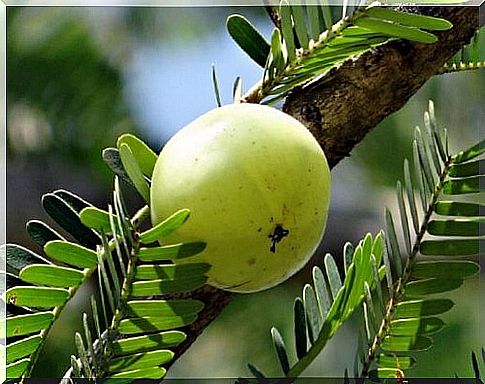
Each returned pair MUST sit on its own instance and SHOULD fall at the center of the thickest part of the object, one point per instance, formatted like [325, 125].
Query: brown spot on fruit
[251, 261]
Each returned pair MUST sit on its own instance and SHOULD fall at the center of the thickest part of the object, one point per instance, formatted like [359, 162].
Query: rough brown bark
[353, 98]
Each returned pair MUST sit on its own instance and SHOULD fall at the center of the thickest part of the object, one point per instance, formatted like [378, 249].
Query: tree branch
[350, 100]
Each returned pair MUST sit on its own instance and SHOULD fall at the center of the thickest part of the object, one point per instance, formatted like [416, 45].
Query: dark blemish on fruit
[260, 229]
[254, 142]
[251, 261]
[278, 234]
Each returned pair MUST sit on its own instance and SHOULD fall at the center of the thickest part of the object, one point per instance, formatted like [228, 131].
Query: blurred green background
[78, 77]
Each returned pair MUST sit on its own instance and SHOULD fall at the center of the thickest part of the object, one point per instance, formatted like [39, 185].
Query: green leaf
[148, 342]
[422, 308]
[470, 153]
[406, 343]
[431, 286]
[462, 186]
[67, 218]
[151, 324]
[314, 321]
[248, 38]
[287, 30]
[17, 369]
[71, 253]
[471, 168]
[298, 12]
[52, 276]
[396, 30]
[390, 361]
[394, 251]
[18, 257]
[111, 157]
[28, 324]
[74, 201]
[140, 360]
[457, 227]
[142, 308]
[171, 252]
[300, 327]
[279, 60]
[322, 294]
[458, 208]
[450, 247]
[165, 227]
[170, 271]
[385, 373]
[38, 297]
[404, 217]
[163, 287]
[134, 172]
[280, 350]
[145, 373]
[409, 19]
[96, 218]
[417, 326]
[332, 274]
[22, 348]
[314, 17]
[41, 233]
[347, 254]
[445, 269]
[143, 155]
[216, 87]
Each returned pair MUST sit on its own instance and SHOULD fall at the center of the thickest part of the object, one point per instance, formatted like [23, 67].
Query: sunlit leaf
[53, 276]
[148, 342]
[71, 253]
[422, 308]
[172, 252]
[37, 297]
[27, 324]
[458, 208]
[165, 227]
[151, 323]
[143, 155]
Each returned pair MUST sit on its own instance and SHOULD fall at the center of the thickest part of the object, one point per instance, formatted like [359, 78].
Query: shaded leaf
[409, 19]
[463, 186]
[170, 271]
[422, 308]
[148, 342]
[172, 252]
[431, 286]
[248, 38]
[67, 218]
[17, 369]
[333, 275]
[111, 157]
[454, 247]
[396, 30]
[151, 324]
[18, 257]
[406, 343]
[300, 327]
[470, 153]
[416, 326]
[459, 208]
[471, 168]
[140, 360]
[163, 287]
[280, 350]
[41, 233]
[457, 227]
[142, 308]
[445, 269]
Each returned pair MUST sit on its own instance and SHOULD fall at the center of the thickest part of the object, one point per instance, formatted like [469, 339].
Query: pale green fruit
[248, 173]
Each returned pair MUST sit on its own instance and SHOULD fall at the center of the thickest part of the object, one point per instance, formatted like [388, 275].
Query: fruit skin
[244, 170]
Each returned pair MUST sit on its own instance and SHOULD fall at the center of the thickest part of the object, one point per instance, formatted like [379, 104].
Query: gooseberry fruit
[257, 184]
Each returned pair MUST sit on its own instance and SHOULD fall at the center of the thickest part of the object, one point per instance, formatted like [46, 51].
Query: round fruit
[258, 187]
